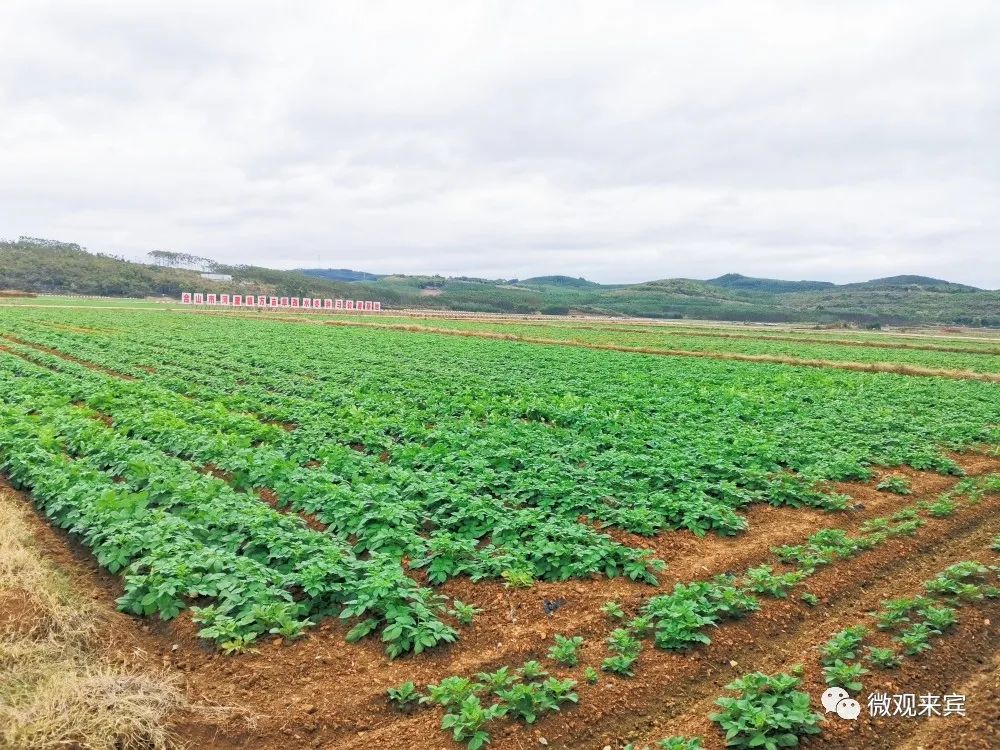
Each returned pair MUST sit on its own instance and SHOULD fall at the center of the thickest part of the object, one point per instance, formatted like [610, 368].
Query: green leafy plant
[565, 650]
[763, 580]
[915, 639]
[532, 670]
[767, 712]
[845, 675]
[404, 696]
[591, 675]
[940, 508]
[620, 664]
[621, 641]
[467, 725]
[494, 682]
[680, 743]
[809, 598]
[613, 610]
[843, 645]
[896, 483]
[450, 692]
[463, 612]
[884, 658]
[518, 579]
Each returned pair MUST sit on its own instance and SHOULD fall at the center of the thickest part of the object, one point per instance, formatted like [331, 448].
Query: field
[564, 533]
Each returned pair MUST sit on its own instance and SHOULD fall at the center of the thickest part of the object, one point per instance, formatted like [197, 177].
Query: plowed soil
[320, 692]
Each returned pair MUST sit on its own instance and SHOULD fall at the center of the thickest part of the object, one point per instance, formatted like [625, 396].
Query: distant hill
[34, 265]
[772, 286]
[913, 283]
[340, 274]
[561, 281]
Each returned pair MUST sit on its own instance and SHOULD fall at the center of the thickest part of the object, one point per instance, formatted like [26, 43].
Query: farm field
[556, 544]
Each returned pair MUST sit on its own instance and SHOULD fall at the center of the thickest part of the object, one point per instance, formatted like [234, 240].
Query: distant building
[217, 276]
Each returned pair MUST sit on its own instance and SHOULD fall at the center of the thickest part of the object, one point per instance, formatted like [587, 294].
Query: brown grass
[57, 688]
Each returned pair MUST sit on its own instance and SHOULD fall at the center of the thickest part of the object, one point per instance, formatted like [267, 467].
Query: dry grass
[57, 687]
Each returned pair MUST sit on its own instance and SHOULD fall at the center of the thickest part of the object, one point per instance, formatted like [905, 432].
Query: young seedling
[493, 682]
[565, 650]
[883, 658]
[532, 670]
[809, 598]
[620, 664]
[591, 675]
[613, 610]
[468, 724]
[464, 612]
[842, 674]
[404, 696]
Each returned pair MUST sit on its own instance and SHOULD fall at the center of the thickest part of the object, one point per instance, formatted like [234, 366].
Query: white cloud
[621, 141]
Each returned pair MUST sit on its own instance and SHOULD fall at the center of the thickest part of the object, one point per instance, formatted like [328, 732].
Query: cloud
[620, 141]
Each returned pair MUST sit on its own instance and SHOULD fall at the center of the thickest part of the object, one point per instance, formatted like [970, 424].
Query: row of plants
[911, 622]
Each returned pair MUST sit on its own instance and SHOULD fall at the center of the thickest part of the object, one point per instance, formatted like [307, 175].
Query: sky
[619, 141]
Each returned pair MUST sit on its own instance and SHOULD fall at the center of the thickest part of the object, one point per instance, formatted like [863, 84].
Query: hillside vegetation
[53, 267]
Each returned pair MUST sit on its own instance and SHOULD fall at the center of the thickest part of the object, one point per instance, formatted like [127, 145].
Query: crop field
[398, 532]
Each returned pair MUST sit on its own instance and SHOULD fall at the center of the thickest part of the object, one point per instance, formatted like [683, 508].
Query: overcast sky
[619, 141]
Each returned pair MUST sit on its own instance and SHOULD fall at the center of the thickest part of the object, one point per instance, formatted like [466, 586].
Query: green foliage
[809, 598]
[915, 639]
[404, 696]
[620, 664]
[532, 670]
[682, 616]
[463, 612]
[680, 743]
[898, 484]
[763, 580]
[884, 658]
[940, 508]
[767, 712]
[844, 645]
[450, 692]
[613, 610]
[845, 675]
[468, 724]
[621, 641]
[565, 650]
[494, 682]
[591, 675]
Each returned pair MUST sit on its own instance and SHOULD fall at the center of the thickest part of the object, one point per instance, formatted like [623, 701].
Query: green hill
[45, 266]
[773, 286]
